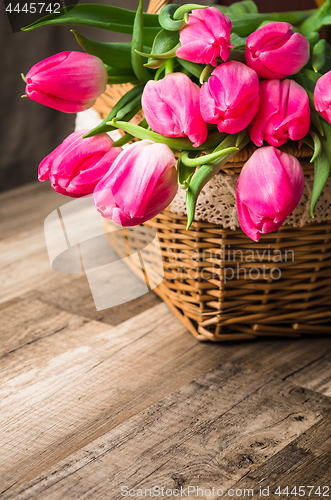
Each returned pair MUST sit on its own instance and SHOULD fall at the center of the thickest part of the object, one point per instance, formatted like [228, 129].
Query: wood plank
[54, 366]
[24, 322]
[306, 461]
[287, 356]
[24, 263]
[62, 387]
[72, 293]
[26, 207]
[316, 375]
[210, 432]
[25, 267]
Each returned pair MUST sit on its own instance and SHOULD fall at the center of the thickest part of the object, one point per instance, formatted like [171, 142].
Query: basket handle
[155, 6]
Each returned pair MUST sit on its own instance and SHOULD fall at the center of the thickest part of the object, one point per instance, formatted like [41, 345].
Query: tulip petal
[205, 37]
[275, 51]
[230, 98]
[265, 171]
[69, 81]
[141, 182]
[76, 166]
[283, 113]
[171, 107]
[245, 221]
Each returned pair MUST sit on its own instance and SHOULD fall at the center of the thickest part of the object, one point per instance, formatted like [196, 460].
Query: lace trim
[217, 203]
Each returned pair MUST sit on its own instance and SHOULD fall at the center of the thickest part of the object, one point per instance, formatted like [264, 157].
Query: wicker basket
[212, 285]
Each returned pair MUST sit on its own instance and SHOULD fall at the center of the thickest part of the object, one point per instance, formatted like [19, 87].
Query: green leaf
[141, 133]
[154, 63]
[317, 145]
[130, 96]
[206, 72]
[115, 54]
[321, 17]
[122, 78]
[194, 68]
[165, 45]
[128, 108]
[319, 55]
[100, 16]
[237, 41]
[173, 143]
[166, 18]
[202, 160]
[185, 173]
[184, 9]
[244, 25]
[313, 38]
[207, 172]
[245, 7]
[322, 166]
[137, 45]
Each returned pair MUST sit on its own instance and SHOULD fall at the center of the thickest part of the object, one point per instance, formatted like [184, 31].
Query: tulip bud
[171, 108]
[275, 51]
[230, 98]
[77, 165]
[268, 190]
[68, 81]
[322, 96]
[205, 37]
[283, 113]
[140, 184]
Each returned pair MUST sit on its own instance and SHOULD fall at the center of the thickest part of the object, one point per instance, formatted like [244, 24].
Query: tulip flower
[171, 108]
[283, 113]
[140, 184]
[230, 98]
[205, 37]
[269, 188]
[322, 96]
[68, 81]
[77, 165]
[276, 51]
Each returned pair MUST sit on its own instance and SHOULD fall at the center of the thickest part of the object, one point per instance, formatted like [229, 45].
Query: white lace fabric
[217, 201]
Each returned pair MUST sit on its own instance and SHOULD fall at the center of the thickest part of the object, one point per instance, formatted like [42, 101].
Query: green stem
[137, 44]
[173, 143]
[128, 137]
[169, 67]
[202, 160]
[123, 140]
[178, 15]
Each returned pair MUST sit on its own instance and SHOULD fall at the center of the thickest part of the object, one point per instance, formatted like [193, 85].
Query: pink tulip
[171, 107]
[283, 113]
[205, 37]
[230, 98]
[268, 190]
[275, 51]
[68, 81]
[140, 184]
[77, 165]
[322, 96]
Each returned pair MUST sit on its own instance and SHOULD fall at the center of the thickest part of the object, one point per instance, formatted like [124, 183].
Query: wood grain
[305, 461]
[92, 400]
[210, 432]
[25, 208]
[78, 378]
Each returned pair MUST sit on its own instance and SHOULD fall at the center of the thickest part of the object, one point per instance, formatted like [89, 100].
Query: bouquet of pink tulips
[209, 80]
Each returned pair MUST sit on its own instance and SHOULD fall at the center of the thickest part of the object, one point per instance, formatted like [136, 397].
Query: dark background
[30, 131]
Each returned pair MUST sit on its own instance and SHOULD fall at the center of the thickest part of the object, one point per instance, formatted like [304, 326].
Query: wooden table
[92, 402]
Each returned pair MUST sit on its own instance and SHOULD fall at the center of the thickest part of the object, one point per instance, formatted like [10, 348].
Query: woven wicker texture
[222, 285]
